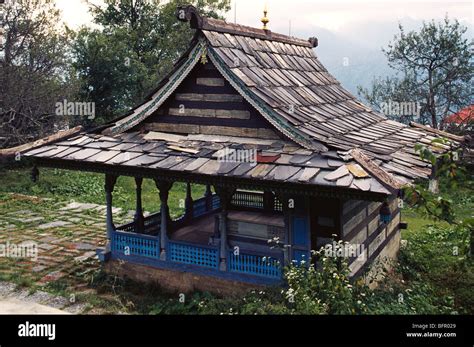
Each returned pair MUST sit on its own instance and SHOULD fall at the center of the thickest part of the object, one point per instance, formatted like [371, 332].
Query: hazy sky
[334, 15]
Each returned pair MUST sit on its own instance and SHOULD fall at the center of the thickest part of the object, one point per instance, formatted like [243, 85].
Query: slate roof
[284, 80]
[276, 160]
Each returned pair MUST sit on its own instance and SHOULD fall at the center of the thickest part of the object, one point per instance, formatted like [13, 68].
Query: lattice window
[195, 255]
[248, 199]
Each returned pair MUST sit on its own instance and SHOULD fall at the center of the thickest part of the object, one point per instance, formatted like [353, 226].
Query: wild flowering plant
[325, 287]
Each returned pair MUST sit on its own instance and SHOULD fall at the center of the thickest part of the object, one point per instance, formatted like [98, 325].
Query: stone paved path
[21, 301]
[66, 234]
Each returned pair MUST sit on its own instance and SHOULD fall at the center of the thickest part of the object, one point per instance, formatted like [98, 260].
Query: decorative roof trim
[174, 81]
[261, 106]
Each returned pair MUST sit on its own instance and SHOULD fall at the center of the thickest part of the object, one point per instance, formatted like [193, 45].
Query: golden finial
[265, 19]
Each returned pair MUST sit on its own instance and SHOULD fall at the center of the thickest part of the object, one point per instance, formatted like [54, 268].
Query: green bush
[326, 289]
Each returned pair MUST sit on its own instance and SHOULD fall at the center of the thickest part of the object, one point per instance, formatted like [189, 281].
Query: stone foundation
[178, 281]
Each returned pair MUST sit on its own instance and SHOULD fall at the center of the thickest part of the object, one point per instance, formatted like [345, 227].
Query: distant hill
[361, 48]
[352, 63]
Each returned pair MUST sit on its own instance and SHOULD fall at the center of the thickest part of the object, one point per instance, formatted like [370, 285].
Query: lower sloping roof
[276, 161]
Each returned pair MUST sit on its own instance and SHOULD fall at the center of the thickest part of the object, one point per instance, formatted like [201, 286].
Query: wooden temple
[289, 158]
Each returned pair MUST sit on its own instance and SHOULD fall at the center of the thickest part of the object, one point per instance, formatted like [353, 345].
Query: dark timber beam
[268, 201]
[208, 196]
[188, 202]
[138, 218]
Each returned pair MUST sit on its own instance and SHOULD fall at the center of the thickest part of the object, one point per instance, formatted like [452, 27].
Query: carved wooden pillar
[188, 202]
[164, 188]
[138, 218]
[110, 181]
[34, 174]
[225, 196]
[208, 196]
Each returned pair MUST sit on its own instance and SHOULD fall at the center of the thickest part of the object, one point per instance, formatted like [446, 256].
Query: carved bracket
[189, 13]
[164, 188]
[110, 181]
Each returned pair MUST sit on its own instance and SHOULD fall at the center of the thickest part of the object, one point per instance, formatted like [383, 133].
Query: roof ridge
[188, 13]
[450, 136]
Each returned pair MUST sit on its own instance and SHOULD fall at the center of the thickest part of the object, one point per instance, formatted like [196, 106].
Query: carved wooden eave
[61, 135]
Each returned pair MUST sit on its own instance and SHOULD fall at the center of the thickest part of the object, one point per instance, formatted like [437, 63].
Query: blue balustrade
[126, 242]
[192, 254]
[216, 202]
[199, 207]
[255, 265]
[151, 224]
[135, 244]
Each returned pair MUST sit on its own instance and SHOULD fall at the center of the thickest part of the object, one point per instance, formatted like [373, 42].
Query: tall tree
[434, 67]
[134, 46]
[35, 70]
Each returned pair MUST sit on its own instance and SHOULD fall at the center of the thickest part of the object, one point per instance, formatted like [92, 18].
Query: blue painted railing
[216, 202]
[199, 208]
[151, 224]
[186, 253]
[253, 264]
[127, 243]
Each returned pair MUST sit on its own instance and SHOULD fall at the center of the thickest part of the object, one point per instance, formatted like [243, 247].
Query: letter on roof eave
[270, 116]
[162, 95]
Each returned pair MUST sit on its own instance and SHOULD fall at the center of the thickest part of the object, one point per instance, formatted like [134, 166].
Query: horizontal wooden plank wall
[361, 225]
[205, 103]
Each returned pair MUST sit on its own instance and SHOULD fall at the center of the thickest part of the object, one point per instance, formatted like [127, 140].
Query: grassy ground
[437, 253]
[434, 271]
[89, 188]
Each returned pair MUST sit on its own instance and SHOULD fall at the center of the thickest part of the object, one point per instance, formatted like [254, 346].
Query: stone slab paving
[21, 301]
[67, 236]
[55, 224]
